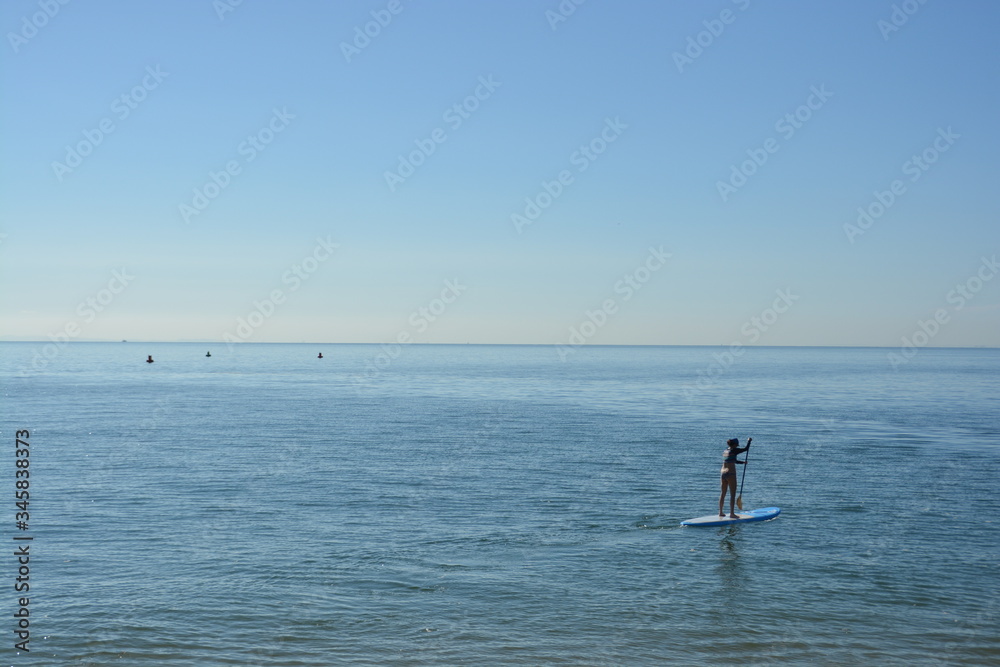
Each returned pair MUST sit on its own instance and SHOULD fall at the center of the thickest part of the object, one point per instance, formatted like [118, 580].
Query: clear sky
[267, 171]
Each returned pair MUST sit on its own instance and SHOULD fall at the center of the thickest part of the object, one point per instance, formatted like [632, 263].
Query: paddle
[739, 498]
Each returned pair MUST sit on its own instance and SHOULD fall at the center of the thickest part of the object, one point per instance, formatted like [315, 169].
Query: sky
[731, 172]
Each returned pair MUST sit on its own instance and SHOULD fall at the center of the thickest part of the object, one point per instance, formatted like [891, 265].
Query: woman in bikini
[729, 474]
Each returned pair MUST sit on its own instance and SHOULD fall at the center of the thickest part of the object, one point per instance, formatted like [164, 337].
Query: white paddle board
[744, 517]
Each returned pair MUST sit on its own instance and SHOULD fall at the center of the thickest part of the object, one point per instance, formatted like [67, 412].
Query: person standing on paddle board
[728, 473]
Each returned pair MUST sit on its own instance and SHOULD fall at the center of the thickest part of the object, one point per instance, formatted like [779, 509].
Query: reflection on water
[730, 570]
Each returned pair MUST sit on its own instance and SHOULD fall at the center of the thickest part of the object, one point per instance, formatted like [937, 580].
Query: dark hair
[733, 442]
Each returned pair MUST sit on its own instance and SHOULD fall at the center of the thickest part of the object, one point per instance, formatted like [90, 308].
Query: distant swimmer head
[149, 359]
[320, 356]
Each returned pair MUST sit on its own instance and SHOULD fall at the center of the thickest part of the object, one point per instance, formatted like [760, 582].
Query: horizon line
[214, 342]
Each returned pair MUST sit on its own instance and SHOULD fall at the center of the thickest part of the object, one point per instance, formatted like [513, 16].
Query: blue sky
[643, 108]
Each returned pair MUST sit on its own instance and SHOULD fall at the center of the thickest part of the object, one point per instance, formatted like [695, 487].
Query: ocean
[496, 505]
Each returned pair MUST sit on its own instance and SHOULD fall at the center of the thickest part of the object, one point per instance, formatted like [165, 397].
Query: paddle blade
[739, 502]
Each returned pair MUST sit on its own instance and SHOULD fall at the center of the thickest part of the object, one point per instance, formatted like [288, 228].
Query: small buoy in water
[208, 354]
[320, 356]
[149, 359]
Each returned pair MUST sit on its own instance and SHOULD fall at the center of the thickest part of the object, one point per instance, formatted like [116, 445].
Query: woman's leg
[722, 496]
[732, 496]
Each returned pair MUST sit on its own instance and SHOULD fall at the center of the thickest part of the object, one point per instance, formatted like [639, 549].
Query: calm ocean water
[494, 505]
